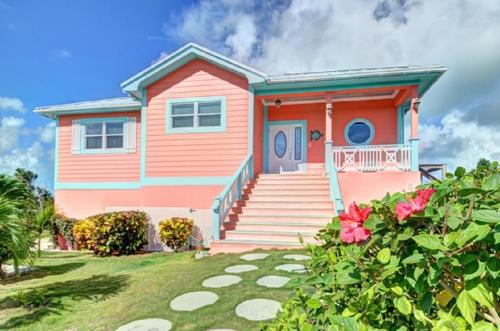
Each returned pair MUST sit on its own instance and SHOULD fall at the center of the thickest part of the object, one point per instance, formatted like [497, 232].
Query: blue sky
[57, 51]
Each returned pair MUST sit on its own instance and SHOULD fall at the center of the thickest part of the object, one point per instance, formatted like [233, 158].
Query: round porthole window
[359, 131]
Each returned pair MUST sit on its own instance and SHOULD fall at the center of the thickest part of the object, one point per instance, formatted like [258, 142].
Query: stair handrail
[230, 194]
[331, 170]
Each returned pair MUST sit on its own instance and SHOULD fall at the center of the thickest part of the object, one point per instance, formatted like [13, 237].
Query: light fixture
[277, 103]
[416, 104]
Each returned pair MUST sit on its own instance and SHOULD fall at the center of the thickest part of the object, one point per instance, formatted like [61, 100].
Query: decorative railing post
[335, 193]
[216, 218]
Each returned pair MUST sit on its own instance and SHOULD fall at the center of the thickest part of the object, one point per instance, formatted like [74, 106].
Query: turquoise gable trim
[265, 141]
[171, 130]
[181, 181]
[144, 102]
[84, 121]
[304, 134]
[363, 120]
[191, 51]
[56, 151]
[97, 185]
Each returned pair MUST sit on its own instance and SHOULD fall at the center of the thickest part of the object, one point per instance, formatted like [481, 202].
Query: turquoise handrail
[230, 194]
[335, 193]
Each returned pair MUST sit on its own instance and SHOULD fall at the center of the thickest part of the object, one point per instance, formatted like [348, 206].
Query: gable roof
[185, 54]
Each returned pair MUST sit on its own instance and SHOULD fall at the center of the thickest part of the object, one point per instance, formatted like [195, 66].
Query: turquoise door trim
[56, 152]
[304, 137]
[401, 124]
[414, 144]
[265, 141]
[144, 108]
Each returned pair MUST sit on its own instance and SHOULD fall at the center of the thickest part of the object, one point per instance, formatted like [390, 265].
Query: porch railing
[372, 158]
[335, 193]
[231, 193]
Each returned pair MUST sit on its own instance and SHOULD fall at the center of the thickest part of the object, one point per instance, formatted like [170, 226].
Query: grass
[85, 292]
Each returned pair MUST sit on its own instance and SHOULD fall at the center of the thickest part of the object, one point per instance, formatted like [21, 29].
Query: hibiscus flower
[413, 206]
[352, 229]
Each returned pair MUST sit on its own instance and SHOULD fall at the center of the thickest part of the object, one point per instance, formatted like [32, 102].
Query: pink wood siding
[197, 154]
[314, 114]
[382, 113]
[96, 167]
[180, 196]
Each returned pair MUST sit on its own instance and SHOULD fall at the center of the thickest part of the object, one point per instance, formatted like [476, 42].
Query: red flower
[352, 229]
[406, 209]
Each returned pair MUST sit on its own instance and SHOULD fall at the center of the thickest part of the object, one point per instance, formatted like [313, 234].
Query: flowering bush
[416, 261]
[83, 233]
[175, 232]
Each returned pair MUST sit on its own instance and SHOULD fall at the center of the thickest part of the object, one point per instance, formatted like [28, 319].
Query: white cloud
[11, 104]
[47, 133]
[10, 129]
[62, 53]
[34, 157]
[312, 35]
[459, 142]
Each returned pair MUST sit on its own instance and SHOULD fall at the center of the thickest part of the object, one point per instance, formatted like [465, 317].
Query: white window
[103, 135]
[196, 115]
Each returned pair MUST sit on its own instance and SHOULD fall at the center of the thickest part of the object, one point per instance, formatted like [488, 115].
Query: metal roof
[95, 106]
[354, 73]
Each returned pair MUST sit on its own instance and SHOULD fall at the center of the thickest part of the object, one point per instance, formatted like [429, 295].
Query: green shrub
[32, 299]
[416, 261]
[63, 226]
[119, 232]
[83, 233]
[175, 232]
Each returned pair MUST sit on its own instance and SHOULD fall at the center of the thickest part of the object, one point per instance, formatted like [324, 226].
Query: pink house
[253, 158]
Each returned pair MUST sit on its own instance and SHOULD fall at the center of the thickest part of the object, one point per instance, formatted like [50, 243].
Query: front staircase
[274, 210]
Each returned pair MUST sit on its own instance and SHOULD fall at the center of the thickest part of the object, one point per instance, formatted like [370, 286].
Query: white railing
[372, 158]
[231, 193]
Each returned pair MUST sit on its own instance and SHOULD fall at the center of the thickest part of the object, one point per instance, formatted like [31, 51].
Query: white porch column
[328, 128]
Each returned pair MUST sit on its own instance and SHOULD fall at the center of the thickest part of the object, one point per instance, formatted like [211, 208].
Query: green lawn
[92, 293]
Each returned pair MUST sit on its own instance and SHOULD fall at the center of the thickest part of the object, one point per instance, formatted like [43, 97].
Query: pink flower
[352, 229]
[416, 205]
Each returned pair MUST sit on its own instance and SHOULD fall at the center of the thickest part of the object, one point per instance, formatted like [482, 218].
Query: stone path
[221, 281]
[258, 309]
[291, 267]
[193, 300]
[253, 310]
[239, 268]
[254, 256]
[149, 324]
[297, 257]
[273, 281]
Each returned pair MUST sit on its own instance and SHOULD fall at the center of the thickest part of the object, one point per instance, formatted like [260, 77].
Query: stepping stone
[273, 281]
[236, 269]
[254, 256]
[291, 268]
[258, 309]
[297, 257]
[221, 281]
[193, 300]
[149, 324]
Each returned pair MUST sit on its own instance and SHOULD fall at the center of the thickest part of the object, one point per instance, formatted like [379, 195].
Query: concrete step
[295, 218]
[266, 197]
[306, 205]
[298, 176]
[289, 211]
[285, 187]
[292, 181]
[277, 191]
[288, 227]
[270, 236]
[239, 246]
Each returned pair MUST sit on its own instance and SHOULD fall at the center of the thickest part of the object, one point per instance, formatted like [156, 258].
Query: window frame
[169, 129]
[103, 149]
[362, 120]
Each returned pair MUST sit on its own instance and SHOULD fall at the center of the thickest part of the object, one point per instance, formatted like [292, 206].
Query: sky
[58, 51]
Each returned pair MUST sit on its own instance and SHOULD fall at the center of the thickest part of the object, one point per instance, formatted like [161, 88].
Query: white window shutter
[76, 130]
[131, 134]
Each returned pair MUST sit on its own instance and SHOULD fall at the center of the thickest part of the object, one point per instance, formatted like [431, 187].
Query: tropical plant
[83, 233]
[62, 226]
[15, 237]
[411, 261]
[119, 233]
[175, 232]
[42, 221]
